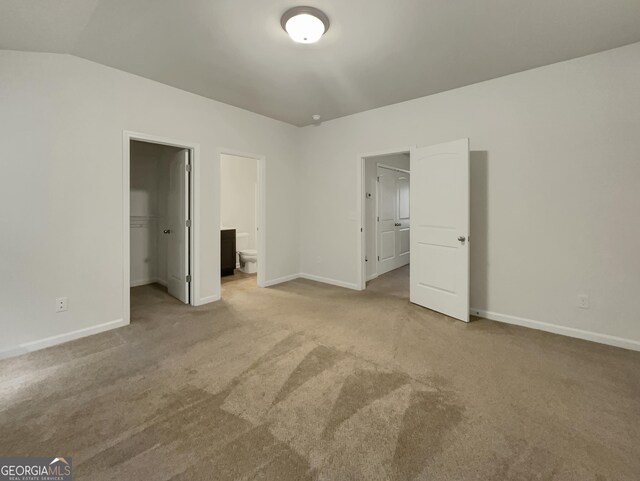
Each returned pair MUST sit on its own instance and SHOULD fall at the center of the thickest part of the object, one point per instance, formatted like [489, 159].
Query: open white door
[387, 220]
[178, 214]
[404, 220]
[393, 219]
[440, 228]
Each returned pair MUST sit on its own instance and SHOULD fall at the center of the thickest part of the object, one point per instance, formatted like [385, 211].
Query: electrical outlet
[583, 301]
[61, 304]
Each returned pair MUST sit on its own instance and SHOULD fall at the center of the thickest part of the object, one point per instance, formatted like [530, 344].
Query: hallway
[394, 283]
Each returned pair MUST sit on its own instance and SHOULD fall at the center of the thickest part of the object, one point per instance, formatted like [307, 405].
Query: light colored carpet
[308, 381]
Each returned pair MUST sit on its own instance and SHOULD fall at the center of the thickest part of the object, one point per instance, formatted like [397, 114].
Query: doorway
[393, 223]
[387, 223]
[242, 213]
[438, 277]
[158, 203]
[160, 217]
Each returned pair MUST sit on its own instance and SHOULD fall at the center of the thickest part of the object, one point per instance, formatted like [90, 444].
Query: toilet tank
[242, 243]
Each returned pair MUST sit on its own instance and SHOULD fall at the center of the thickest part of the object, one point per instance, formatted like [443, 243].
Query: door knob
[167, 231]
[398, 224]
[462, 239]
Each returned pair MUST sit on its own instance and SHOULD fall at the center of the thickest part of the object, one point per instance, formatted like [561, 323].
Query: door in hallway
[440, 235]
[178, 229]
[393, 236]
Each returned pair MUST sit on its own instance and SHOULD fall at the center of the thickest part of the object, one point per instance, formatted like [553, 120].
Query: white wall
[554, 189]
[144, 176]
[400, 161]
[61, 131]
[239, 177]
[144, 214]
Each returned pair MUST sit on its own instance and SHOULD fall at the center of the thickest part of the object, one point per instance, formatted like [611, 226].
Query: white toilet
[248, 261]
[247, 258]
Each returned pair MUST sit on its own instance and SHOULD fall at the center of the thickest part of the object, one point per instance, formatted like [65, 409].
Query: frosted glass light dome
[305, 24]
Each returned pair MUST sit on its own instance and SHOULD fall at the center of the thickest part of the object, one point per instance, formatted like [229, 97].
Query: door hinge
[188, 167]
[188, 223]
[378, 258]
[189, 278]
[378, 218]
[365, 259]
[378, 179]
[360, 229]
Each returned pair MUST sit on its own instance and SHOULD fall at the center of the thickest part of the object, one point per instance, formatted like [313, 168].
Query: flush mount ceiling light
[304, 24]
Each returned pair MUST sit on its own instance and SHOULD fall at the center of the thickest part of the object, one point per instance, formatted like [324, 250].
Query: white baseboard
[372, 277]
[60, 338]
[311, 277]
[333, 282]
[208, 299]
[280, 280]
[145, 282]
[556, 329]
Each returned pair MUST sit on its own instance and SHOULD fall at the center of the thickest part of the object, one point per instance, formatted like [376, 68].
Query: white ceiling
[376, 52]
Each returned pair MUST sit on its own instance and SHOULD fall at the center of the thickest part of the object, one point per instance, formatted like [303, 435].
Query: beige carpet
[307, 381]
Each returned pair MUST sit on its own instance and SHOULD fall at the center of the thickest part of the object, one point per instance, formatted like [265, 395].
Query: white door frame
[360, 205]
[261, 219]
[194, 242]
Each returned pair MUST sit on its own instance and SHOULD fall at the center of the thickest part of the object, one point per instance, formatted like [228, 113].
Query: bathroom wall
[238, 186]
[370, 174]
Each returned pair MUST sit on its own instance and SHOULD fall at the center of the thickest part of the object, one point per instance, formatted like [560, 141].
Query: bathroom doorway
[242, 233]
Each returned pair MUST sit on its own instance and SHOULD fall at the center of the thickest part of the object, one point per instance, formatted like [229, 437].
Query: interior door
[403, 230]
[178, 239]
[393, 219]
[387, 220]
[440, 228]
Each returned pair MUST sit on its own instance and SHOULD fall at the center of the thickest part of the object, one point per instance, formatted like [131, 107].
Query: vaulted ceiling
[376, 52]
